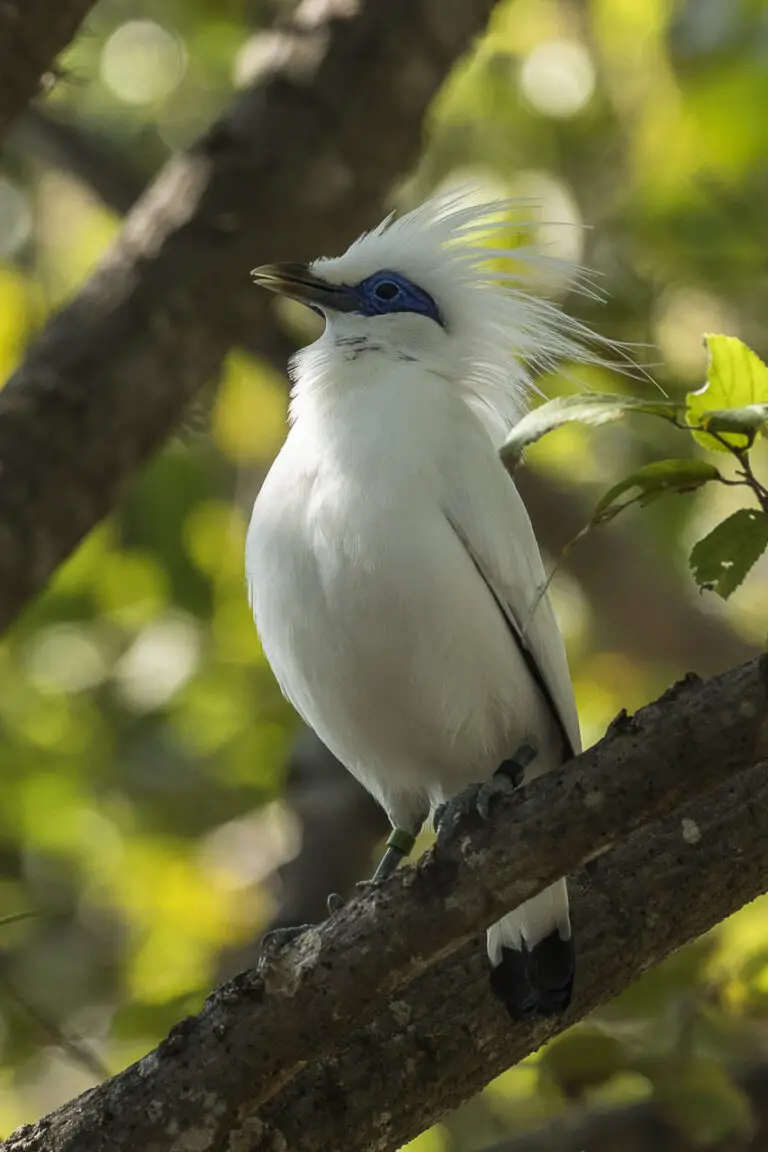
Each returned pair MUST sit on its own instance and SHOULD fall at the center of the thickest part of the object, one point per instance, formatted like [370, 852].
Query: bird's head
[427, 287]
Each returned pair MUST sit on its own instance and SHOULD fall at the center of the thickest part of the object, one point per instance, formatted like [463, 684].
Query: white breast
[371, 613]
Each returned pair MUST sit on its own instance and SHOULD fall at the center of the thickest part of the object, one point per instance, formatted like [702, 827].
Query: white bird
[393, 572]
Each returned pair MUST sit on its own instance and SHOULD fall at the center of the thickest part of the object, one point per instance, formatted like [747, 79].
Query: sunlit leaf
[653, 481]
[592, 408]
[736, 379]
[723, 558]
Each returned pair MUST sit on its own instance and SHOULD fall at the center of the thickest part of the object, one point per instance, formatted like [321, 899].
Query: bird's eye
[386, 290]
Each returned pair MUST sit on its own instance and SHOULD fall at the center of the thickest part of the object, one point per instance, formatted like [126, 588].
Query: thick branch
[32, 34]
[444, 1037]
[300, 164]
[256, 1034]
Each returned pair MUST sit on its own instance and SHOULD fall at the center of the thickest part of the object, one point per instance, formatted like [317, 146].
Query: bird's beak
[297, 283]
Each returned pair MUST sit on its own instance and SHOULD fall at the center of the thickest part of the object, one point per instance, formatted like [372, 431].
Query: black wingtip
[536, 982]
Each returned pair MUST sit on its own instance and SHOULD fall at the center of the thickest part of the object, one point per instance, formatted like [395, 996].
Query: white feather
[388, 544]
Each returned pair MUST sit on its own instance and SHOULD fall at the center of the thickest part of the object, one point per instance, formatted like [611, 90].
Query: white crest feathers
[503, 337]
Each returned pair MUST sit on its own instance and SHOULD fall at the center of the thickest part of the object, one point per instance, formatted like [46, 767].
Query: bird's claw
[480, 798]
[334, 903]
[475, 798]
[277, 938]
[487, 794]
[449, 815]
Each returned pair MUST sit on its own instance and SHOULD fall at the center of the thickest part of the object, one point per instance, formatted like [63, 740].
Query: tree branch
[444, 1037]
[32, 34]
[300, 163]
[206, 1082]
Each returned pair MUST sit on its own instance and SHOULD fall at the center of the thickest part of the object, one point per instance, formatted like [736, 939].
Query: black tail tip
[536, 982]
[511, 984]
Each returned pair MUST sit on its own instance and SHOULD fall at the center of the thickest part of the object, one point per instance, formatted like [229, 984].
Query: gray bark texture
[372, 1026]
[301, 163]
[32, 34]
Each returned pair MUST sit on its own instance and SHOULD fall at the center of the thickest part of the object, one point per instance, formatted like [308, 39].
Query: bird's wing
[487, 513]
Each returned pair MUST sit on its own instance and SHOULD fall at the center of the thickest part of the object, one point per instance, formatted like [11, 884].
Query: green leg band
[401, 840]
[399, 844]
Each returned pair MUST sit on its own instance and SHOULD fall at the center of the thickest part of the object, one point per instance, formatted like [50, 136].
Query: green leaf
[652, 481]
[722, 559]
[591, 408]
[736, 379]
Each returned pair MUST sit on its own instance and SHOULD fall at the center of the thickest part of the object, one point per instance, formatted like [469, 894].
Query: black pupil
[386, 290]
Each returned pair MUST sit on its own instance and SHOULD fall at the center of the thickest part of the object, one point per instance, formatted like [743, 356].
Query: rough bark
[299, 164]
[644, 1127]
[443, 1038]
[204, 1085]
[32, 34]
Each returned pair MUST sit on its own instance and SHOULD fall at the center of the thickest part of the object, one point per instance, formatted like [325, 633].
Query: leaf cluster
[727, 416]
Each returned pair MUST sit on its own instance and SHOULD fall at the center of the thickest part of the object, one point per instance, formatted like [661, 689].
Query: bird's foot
[277, 938]
[481, 797]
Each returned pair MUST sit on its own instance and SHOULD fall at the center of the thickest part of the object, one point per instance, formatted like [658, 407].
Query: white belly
[386, 639]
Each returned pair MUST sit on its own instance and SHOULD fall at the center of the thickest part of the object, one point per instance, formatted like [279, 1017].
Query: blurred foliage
[142, 738]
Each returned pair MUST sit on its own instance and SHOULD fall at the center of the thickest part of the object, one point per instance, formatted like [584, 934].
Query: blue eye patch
[386, 292]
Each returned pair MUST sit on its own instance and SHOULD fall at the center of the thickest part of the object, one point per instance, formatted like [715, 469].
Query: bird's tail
[532, 955]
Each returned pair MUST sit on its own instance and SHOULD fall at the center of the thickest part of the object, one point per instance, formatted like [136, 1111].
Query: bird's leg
[480, 797]
[399, 844]
[508, 776]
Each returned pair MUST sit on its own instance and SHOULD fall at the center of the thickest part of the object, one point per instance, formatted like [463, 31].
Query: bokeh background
[157, 811]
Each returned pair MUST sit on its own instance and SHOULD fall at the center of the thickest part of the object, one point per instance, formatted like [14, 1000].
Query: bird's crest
[504, 337]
